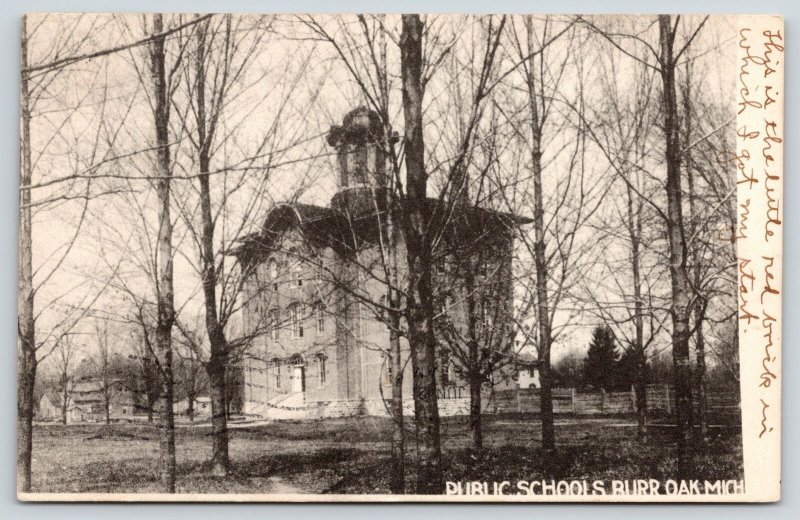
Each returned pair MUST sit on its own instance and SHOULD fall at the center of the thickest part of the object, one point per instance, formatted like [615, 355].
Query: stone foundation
[348, 408]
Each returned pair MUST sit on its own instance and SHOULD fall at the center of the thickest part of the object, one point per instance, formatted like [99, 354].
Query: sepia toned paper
[400, 258]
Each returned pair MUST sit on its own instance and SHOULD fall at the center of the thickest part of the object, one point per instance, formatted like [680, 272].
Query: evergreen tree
[627, 367]
[601, 360]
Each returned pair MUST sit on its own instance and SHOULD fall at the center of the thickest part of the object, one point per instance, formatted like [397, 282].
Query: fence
[660, 399]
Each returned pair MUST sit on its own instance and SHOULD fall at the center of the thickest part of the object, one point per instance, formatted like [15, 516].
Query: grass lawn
[352, 455]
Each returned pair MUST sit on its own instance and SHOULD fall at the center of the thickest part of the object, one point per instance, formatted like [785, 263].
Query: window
[360, 320]
[386, 369]
[277, 372]
[272, 268]
[320, 272]
[296, 321]
[319, 312]
[343, 165]
[383, 303]
[359, 170]
[258, 315]
[487, 320]
[297, 277]
[446, 375]
[274, 323]
[321, 368]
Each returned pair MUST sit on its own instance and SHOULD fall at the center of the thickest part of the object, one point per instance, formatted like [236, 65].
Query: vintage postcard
[326, 258]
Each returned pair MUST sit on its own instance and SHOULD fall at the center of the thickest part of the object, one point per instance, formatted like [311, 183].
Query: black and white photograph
[399, 257]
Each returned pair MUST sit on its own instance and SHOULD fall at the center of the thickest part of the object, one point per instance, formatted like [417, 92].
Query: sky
[295, 88]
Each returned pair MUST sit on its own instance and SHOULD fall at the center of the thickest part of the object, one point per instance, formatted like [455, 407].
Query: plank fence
[660, 400]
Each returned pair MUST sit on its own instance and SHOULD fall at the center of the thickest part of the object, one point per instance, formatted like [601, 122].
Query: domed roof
[358, 125]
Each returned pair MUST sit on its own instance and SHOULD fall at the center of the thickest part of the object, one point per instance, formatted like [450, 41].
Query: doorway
[298, 379]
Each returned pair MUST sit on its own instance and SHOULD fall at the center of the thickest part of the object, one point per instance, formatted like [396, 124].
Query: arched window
[297, 275]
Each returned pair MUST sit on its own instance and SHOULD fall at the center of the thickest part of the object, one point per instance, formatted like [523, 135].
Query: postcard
[393, 258]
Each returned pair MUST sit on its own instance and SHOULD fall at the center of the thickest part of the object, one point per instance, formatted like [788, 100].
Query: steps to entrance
[280, 407]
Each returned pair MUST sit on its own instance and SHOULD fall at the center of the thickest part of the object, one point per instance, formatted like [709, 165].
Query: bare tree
[148, 380]
[476, 321]
[668, 64]
[223, 52]
[66, 351]
[103, 366]
[562, 205]
[707, 146]
[206, 129]
[164, 267]
[664, 58]
[26, 326]
[39, 81]
[621, 127]
[189, 369]
[419, 253]
[365, 53]
[423, 224]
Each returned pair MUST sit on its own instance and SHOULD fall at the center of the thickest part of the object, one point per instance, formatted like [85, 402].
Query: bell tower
[361, 158]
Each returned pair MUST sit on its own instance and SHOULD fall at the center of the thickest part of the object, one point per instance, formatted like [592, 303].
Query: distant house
[524, 374]
[88, 401]
[202, 406]
[528, 373]
[50, 408]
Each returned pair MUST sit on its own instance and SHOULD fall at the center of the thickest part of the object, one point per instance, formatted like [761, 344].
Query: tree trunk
[697, 267]
[26, 333]
[25, 402]
[217, 365]
[64, 403]
[106, 393]
[164, 273]
[475, 426]
[640, 378]
[220, 460]
[398, 477]
[540, 259]
[475, 312]
[700, 376]
[677, 253]
[397, 484]
[422, 340]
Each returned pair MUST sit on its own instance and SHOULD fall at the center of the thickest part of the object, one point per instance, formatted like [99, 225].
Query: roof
[53, 397]
[333, 226]
[527, 359]
[87, 386]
